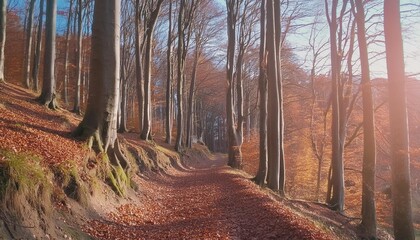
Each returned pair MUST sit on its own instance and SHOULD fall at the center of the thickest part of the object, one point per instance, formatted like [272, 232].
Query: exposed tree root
[115, 165]
[47, 101]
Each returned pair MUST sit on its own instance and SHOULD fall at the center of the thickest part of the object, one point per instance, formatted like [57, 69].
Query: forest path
[207, 201]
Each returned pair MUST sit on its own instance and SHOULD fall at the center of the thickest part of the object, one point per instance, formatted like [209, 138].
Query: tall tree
[336, 189]
[66, 54]
[149, 17]
[37, 54]
[369, 144]
[48, 94]
[278, 40]
[99, 124]
[28, 45]
[3, 12]
[169, 77]
[77, 94]
[139, 65]
[401, 192]
[240, 19]
[186, 13]
[261, 176]
[273, 115]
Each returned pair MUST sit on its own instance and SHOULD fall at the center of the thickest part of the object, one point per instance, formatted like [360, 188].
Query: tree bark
[273, 115]
[28, 45]
[76, 107]
[191, 94]
[66, 55]
[99, 124]
[3, 9]
[369, 143]
[48, 94]
[37, 54]
[139, 67]
[180, 75]
[168, 116]
[336, 201]
[282, 170]
[401, 192]
[147, 111]
[261, 176]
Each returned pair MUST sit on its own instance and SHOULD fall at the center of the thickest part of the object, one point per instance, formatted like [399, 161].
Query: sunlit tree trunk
[28, 45]
[401, 192]
[37, 54]
[191, 94]
[66, 55]
[99, 124]
[139, 66]
[336, 189]
[48, 94]
[3, 9]
[282, 170]
[185, 17]
[76, 107]
[261, 176]
[369, 144]
[147, 111]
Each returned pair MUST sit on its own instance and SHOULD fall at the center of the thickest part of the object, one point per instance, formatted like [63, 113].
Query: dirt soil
[205, 201]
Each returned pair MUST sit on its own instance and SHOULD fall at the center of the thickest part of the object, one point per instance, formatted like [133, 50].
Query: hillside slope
[52, 186]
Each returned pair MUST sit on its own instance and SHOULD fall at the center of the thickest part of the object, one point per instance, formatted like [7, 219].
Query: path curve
[209, 201]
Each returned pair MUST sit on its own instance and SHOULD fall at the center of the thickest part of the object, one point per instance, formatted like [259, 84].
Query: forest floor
[205, 201]
[202, 199]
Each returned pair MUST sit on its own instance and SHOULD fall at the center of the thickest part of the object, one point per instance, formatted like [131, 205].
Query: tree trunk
[180, 74]
[282, 170]
[191, 96]
[66, 55]
[168, 116]
[37, 55]
[99, 124]
[273, 115]
[48, 95]
[369, 144]
[139, 68]
[401, 192]
[336, 200]
[147, 111]
[3, 7]
[76, 107]
[147, 122]
[28, 45]
[261, 176]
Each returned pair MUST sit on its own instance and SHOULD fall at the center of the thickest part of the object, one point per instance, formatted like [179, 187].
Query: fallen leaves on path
[204, 203]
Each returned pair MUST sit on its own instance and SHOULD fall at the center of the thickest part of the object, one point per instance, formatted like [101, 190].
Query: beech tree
[150, 17]
[369, 143]
[335, 195]
[66, 54]
[28, 45]
[79, 12]
[127, 57]
[48, 94]
[241, 19]
[400, 158]
[3, 9]
[186, 13]
[99, 125]
[169, 79]
[261, 176]
[37, 54]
